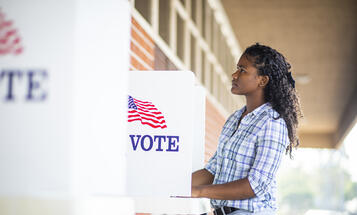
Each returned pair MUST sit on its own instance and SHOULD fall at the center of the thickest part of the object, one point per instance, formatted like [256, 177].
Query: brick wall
[162, 62]
[141, 48]
[214, 124]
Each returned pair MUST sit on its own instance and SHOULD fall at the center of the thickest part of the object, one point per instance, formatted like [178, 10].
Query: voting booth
[166, 132]
[63, 106]
[79, 133]
[160, 133]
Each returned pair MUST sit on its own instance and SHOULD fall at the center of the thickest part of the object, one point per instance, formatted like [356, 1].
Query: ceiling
[319, 39]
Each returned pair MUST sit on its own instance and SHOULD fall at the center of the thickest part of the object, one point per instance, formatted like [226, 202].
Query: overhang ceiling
[319, 39]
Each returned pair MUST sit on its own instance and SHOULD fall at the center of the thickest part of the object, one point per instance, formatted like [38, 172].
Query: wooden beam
[316, 140]
[347, 121]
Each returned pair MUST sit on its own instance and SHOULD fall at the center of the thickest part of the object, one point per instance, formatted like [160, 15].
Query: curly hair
[280, 90]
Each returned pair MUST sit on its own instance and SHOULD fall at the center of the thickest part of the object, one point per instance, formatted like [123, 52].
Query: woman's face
[245, 81]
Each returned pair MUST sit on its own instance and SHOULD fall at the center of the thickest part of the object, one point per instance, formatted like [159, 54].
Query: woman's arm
[269, 151]
[202, 177]
[239, 189]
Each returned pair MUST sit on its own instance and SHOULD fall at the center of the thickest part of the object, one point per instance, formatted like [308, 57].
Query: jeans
[245, 212]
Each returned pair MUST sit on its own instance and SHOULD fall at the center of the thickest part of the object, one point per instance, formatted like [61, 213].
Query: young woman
[240, 177]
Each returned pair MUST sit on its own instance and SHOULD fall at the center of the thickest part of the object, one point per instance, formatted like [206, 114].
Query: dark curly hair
[280, 90]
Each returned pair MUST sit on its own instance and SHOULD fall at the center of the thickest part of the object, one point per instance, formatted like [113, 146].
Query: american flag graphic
[10, 42]
[146, 113]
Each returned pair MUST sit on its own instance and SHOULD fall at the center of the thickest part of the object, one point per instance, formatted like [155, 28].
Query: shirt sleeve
[212, 164]
[271, 143]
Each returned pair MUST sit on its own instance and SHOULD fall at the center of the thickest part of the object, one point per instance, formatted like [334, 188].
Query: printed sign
[160, 133]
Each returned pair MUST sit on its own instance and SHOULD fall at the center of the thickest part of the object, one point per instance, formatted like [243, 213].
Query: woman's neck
[254, 101]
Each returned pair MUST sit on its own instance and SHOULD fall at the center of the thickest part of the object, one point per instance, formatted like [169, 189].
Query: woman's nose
[235, 75]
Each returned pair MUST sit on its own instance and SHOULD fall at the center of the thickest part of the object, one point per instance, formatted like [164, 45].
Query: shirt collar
[256, 111]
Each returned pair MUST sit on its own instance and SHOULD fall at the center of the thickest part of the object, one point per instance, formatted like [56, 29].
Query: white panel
[63, 126]
[164, 171]
[35, 133]
[198, 154]
[100, 96]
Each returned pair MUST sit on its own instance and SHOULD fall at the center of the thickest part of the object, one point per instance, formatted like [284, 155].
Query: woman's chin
[235, 91]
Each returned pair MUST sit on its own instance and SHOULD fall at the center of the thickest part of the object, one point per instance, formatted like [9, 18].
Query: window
[194, 11]
[203, 68]
[183, 2]
[164, 17]
[212, 30]
[144, 8]
[207, 23]
[203, 23]
[193, 54]
[216, 38]
[180, 34]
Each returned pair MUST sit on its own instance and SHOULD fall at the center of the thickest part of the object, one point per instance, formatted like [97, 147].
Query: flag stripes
[146, 113]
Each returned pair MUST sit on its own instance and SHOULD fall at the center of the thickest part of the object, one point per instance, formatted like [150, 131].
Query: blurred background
[319, 39]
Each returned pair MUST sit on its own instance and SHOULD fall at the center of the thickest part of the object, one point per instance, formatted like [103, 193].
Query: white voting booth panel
[160, 133]
[63, 106]
[165, 141]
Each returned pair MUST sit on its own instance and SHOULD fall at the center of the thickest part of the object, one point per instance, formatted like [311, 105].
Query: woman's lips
[234, 84]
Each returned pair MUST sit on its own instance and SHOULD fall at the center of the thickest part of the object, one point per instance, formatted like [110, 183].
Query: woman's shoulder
[272, 117]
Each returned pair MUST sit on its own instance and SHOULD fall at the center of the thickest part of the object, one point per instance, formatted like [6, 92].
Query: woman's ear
[264, 80]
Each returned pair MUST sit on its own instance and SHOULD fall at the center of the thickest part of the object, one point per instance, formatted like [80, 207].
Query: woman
[240, 177]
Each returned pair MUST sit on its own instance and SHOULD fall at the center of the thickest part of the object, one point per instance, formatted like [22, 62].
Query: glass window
[210, 79]
[144, 8]
[183, 2]
[212, 30]
[203, 23]
[194, 11]
[193, 53]
[222, 50]
[180, 34]
[216, 39]
[203, 68]
[207, 23]
[164, 17]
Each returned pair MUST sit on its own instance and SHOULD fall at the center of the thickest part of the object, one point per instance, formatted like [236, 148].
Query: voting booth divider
[80, 134]
[63, 107]
[166, 119]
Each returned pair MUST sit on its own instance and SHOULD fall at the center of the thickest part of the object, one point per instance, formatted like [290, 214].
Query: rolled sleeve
[270, 146]
[211, 166]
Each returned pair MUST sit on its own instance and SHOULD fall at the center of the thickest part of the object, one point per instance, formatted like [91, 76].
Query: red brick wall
[142, 48]
[214, 124]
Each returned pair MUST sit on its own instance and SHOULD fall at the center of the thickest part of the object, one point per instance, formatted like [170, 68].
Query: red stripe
[18, 51]
[153, 120]
[147, 109]
[150, 112]
[141, 105]
[146, 114]
[146, 123]
[10, 33]
[136, 100]
[145, 104]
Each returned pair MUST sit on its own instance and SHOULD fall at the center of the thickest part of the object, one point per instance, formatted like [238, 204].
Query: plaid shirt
[255, 151]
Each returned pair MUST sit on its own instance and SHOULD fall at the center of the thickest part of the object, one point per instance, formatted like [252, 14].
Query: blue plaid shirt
[255, 151]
